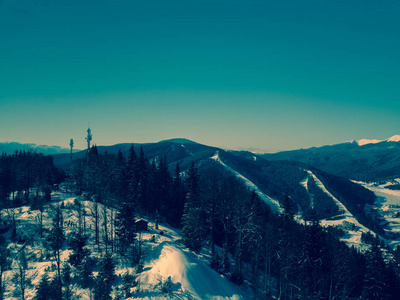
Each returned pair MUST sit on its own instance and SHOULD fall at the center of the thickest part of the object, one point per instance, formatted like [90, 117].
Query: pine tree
[314, 263]
[56, 239]
[125, 227]
[55, 289]
[141, 178]
[85, 274]
[193, 219]
[175, 211]
[66, 281]
[162, 188]
[105, 279]
[375, 284]
[79, 252]
[43, 289]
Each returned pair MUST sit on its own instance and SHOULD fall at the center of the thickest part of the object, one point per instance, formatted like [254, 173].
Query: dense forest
[24, 173]
[279, 257]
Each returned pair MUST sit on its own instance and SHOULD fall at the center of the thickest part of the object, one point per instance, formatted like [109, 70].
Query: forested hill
[276, 179]
[175, 150]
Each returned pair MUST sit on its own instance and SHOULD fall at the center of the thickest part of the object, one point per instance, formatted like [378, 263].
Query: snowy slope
[272, 203]
[346, 221]
[164, 257]
[386, 210]
[189, 274]
[362, 142]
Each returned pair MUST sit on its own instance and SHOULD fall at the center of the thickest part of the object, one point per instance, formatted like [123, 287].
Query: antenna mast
[71, 144]
[88, 138]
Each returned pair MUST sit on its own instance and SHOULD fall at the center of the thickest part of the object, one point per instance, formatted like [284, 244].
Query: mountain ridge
[11, 147]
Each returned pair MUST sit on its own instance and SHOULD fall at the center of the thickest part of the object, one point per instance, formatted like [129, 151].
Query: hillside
[273, 180]
[163, 257]
[362, 160]
[176, 150]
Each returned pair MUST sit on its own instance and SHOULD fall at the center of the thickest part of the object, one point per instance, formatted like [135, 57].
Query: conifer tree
[193, 220]
[43, 289]
[125, 227]
[375, 285]
[56, 239]
[66, 281]
[162, 188]
[79, 252]
[175, 211]
[105, 279]
[141, 178]
[314, 261]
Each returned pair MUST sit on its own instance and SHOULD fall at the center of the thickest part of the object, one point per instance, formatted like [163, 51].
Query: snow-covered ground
[272, 203]
[386, 209]
[164, 256]
[346, 220]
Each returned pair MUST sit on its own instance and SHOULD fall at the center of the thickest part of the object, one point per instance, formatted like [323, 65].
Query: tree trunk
[105, 228]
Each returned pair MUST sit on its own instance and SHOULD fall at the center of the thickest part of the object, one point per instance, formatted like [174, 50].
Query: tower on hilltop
[71, 144]
[88, 138]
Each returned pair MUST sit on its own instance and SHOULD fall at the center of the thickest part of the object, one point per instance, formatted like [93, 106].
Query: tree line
[25, 176]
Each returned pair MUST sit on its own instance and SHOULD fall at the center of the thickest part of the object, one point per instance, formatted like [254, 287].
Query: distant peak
[362, 142]
[395, 138]
[179, 141]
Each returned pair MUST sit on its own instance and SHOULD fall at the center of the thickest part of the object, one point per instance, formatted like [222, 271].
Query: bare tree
[20, 277]
[105, 223]
[4, 265]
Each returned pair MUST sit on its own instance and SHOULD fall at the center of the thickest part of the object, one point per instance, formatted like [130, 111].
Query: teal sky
[272, 75]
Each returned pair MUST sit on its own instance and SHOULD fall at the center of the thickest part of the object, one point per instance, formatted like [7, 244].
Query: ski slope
[345, 221]
[272, 203]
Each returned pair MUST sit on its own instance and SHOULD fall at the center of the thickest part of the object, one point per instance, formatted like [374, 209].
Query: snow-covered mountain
[362, 160]
[363, 142]
[11, 147]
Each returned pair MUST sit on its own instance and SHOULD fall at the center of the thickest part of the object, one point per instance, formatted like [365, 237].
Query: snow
[386, 209]
[190, 274]
[323, 188]
[346, 220]
[164, 256]
[362, 142]
[272, 203]
[395, 138]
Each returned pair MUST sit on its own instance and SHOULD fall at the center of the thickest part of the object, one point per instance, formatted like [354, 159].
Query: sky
[266, 75]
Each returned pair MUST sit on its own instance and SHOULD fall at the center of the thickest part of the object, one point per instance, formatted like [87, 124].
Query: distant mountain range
[11, 147]
[363, 160]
